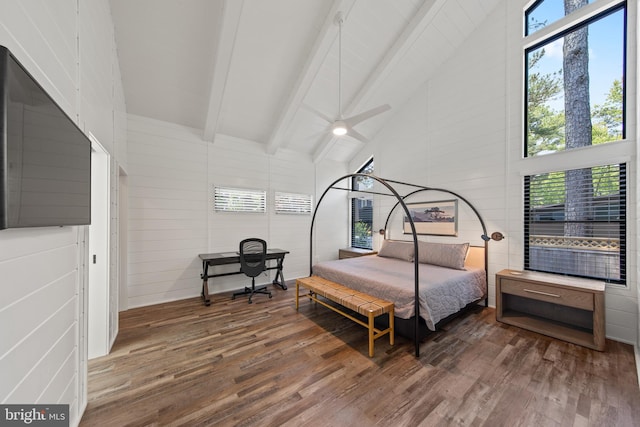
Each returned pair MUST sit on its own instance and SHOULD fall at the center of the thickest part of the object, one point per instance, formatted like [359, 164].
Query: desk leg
[279, 279]
[205, 285]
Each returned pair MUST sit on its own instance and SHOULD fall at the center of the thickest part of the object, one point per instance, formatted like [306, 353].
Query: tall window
[362, 210]
[575, 220]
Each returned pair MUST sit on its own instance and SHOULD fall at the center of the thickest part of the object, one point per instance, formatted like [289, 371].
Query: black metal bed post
[313, 220]
[413, 230]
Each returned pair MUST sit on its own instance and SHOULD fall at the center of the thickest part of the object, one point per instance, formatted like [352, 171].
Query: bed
[443, 290]
[429, 282]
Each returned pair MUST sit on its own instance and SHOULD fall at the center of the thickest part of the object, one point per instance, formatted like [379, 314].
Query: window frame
[616, 152]
[352, 205]
[593, 222]
[559, 29]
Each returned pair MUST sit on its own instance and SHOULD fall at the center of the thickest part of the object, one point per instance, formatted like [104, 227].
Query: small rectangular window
[293, 203]
[227, 199]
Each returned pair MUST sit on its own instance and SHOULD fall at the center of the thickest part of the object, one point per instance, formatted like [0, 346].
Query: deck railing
[582, 256]
[579, 243]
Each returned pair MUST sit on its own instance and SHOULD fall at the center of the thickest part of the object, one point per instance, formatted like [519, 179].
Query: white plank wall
[167, 180]
[38, 348]
[69, 47]
[469, 140]
[171, 176]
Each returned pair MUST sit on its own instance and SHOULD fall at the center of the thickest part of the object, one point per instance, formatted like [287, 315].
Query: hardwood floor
[265, 364]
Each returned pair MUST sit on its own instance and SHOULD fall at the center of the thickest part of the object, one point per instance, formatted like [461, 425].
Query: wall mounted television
[45, 159]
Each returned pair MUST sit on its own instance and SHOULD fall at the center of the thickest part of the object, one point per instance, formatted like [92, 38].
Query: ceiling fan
[344, 126]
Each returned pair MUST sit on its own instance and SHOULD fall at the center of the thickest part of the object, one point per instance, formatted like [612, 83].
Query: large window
[362, 209]
[575, 219]
[575, 83]
[575, 222]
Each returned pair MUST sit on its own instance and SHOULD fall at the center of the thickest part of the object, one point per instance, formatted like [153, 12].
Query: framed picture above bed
[437, 218]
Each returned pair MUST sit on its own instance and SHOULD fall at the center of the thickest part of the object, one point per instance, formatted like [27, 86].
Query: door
[98, 289]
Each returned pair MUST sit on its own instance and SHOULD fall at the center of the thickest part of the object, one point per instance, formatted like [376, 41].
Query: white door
[99, 298]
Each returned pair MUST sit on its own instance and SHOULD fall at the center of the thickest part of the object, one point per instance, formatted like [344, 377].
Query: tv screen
[45, 159]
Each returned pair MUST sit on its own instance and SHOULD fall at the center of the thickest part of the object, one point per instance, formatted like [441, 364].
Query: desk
[224, 258]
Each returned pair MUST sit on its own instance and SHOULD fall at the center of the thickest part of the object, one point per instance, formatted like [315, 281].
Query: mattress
[443, 291]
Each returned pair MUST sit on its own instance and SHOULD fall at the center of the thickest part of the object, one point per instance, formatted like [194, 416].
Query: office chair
[253, 254]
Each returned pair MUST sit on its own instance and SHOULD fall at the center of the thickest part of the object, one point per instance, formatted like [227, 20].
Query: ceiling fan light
[339, 128]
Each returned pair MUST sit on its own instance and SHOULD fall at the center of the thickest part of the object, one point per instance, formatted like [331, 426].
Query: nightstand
[567, 308]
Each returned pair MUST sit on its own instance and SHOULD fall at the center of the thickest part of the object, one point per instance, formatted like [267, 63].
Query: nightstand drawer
[552, 294]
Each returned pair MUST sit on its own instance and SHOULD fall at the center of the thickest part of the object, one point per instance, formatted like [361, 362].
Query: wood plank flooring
[264, 364]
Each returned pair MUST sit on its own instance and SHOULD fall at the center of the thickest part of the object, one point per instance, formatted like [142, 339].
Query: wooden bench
[359, 302]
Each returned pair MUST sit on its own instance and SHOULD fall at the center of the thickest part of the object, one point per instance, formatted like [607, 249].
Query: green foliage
[548, 188]
[545, 127]
[609, 115]
[362, 233]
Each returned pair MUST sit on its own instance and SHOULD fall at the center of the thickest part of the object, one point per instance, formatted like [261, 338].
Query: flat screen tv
[45, 159]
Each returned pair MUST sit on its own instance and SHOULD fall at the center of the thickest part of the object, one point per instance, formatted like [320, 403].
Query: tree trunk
[578, 183]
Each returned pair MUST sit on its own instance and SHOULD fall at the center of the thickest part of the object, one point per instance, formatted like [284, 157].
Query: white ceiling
[267, 70]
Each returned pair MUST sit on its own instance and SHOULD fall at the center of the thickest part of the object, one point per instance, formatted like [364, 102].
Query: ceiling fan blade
[357, 135]
[317, 113]
[354, 120]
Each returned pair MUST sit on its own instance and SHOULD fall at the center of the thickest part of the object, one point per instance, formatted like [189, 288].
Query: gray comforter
[443, 291]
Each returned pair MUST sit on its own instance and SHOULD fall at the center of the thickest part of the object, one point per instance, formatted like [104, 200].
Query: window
[362, 210]
[575, 85]
[575, 219]
[575, 222]
[545, 12]
[293, 203]
[239, 200]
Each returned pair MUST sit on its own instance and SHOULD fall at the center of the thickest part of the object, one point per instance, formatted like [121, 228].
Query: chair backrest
[253, 254]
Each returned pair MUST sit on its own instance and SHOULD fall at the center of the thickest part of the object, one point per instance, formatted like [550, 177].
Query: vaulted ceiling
[267, 70]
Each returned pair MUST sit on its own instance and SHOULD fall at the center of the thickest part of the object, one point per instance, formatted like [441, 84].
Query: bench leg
[297, 294]
[391, 330]
[371, 335]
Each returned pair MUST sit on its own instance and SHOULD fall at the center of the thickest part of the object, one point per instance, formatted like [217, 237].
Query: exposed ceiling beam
[411, 33]
[231, 13]
[403, 43]
[306, 76]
